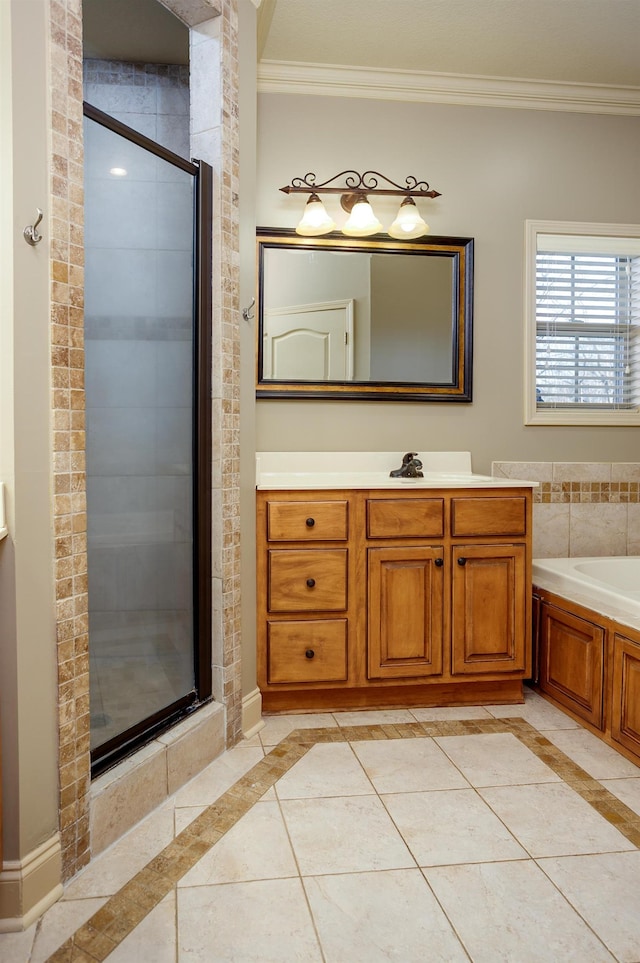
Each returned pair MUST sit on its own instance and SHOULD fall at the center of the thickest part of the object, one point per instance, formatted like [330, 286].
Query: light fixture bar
[366, 183]
[354, 190]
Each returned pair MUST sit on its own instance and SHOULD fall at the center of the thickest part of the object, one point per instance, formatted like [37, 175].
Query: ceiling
[135, 31]
[564, 41]
[568, 41]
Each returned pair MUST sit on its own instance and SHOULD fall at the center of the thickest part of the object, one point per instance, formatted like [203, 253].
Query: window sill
[562, 417]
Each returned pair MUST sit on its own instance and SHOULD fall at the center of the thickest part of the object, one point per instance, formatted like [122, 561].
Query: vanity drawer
[405, 517]
[306, 521]
[314, 651]
[307, 581]
[488, 516]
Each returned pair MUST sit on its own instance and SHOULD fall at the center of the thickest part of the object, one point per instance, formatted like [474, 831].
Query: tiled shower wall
[581, 508]
[151, 98]
[218, 82]
[68, 436]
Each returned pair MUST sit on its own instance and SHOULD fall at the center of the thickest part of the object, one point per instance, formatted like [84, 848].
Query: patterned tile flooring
[497, 833]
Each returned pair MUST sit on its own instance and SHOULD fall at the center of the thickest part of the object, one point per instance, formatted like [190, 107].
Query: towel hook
[30, 232]
[245, 311]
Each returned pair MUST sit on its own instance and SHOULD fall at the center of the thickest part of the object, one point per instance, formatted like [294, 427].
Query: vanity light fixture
[408, 223]
[315, 220]
[362, 222]
[354, 190]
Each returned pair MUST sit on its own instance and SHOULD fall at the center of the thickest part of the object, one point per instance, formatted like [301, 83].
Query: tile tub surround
[581, 508]
[323, 833]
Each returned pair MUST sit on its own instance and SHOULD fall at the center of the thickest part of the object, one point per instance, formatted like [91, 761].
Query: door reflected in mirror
[364, 318]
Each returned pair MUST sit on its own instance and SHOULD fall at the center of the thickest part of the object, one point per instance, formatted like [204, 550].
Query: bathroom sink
[456, 477]
[308, 470]
[378, 480]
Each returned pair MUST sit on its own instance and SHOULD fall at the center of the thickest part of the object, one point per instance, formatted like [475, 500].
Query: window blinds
[587, 329]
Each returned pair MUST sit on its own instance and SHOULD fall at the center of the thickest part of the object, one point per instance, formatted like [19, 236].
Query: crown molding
[329, 80]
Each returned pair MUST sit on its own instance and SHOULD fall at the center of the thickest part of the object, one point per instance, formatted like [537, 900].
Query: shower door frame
[109, 753]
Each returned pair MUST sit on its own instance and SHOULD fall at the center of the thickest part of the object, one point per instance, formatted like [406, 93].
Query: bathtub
[607, 585]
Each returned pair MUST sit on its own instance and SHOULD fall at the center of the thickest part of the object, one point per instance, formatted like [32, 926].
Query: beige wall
[495, 168]
[247, 119]
[28, 696]
[41, 367]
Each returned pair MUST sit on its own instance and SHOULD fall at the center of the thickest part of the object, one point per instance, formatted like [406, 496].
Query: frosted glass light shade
[315, 220]
[408, 223]
[362, 221]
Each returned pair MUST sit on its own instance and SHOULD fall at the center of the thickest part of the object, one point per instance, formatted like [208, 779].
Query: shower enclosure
[148, 435]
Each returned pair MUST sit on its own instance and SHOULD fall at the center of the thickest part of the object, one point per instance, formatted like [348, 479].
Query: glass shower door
[145, 436]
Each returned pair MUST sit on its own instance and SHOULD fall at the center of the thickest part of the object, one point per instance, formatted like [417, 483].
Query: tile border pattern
[601, 493]
[137, 75]
[105, 930]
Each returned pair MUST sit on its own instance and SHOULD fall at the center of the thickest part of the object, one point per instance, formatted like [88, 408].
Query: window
[583, 320]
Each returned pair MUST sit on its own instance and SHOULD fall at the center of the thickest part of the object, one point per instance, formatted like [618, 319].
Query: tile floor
[487, 834]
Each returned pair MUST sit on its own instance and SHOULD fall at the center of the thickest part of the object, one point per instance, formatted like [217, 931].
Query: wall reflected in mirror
[364, 318]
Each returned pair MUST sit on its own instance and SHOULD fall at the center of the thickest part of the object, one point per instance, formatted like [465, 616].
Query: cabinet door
[405, 612]
[572, 662]
[625, 704]
[489, 608]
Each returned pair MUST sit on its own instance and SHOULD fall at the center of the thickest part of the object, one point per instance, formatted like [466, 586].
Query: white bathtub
[608, 585]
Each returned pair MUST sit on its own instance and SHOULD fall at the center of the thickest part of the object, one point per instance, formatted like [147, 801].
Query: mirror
[365, 318]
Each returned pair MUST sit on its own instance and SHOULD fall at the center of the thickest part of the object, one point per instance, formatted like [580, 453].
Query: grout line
[109, 926]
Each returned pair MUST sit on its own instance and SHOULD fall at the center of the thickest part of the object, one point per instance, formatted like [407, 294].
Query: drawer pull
[439, 562]
[311, 582]
[310, 522]
[462, 561]
[309, 654]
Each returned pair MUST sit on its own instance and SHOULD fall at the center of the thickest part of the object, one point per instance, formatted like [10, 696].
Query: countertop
[304, 471]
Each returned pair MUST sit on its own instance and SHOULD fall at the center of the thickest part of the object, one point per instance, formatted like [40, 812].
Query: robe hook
[30, 232]
[246, 311]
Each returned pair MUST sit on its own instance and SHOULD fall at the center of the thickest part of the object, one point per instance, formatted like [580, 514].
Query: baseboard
[252, 721]
[29, 886]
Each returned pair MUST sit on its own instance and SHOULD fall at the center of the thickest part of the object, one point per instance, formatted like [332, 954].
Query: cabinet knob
[311, 582]
[310, 522]
[309, 654]
[462, 561]
[439, 562]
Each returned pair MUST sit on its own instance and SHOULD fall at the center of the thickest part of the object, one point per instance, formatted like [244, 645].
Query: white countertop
[279, 471]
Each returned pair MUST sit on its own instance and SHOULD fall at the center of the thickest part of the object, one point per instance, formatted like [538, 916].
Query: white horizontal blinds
[632, 372]
[587, 324]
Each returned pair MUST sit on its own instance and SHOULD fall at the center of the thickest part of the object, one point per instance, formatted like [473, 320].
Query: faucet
[410, 467]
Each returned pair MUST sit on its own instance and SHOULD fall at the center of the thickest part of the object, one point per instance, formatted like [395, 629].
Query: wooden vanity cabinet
[625, 700]
[571, 654]
[374, 598]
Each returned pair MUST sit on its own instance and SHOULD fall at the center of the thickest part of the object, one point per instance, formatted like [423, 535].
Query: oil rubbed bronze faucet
[410, 467]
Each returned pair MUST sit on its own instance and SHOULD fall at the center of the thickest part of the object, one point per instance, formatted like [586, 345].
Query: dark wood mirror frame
[456, 389]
